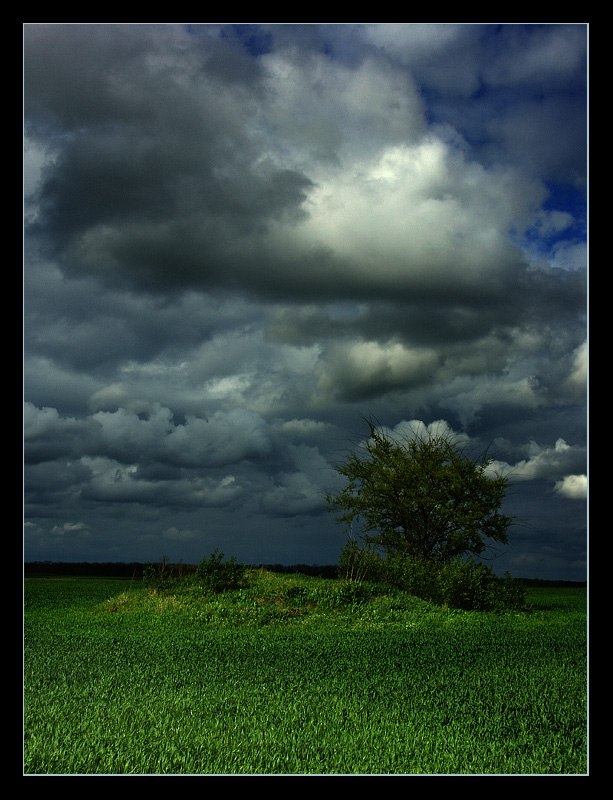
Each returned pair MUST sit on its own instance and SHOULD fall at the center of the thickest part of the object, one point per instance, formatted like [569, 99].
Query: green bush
[217, 575]
[470, 585]
[360, 563]
[462, 583]
[159, 577]
[343, 595]
[415, 576]
[510, 592]
[466, 585]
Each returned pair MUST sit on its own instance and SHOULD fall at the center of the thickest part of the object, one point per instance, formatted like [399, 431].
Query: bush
[469, 585]
[159, 577]
[415, 576]
[347, 594]
[510, 592]
[360, 563]
[462, 583]
[465, 584]
[217, 575]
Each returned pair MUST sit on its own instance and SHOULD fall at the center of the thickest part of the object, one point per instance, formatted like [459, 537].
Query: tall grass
[294, 675]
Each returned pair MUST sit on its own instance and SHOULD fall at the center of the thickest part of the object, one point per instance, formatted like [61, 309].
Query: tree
[421, 497]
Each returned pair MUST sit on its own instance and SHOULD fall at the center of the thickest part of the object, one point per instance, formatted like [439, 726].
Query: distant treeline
[556, 584]
[120, 569]
[117, 569]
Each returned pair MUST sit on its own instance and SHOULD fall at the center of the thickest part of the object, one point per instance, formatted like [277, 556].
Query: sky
[241, 240]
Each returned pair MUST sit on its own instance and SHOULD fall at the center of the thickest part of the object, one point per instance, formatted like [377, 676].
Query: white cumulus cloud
[573, 486]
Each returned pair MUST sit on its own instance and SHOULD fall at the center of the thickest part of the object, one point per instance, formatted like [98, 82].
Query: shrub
[217, 575]
[342, 595]
[510, 592]
[360, 563]
[462, 583]
[158, 577]
[465, 584]
[415, 576]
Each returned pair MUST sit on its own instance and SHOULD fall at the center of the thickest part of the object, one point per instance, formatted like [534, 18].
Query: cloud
[240, 240]
[48, 436]
[573, 486]
[128, 437]
[539, 56]
[302, 490]
[578, 377]
[363, 370]
[181, 180]
[376, 219]
[112, 482]
[70, 529]
[440, 55]
[303, 428]
[175, 534]
[119, 395]
[293, 494]
[550, 463]
[418, 430]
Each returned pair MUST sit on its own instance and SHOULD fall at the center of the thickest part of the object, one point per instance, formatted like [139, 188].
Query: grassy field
[299, 675]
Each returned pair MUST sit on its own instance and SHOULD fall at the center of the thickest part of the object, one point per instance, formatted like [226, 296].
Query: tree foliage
[421, 497]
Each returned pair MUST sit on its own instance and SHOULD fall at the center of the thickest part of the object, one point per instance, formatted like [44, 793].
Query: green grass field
[298, 675]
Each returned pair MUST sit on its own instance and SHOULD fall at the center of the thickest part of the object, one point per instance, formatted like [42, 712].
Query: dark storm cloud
[150, 165]
[240, 239]
[126, 436]
[169, 175]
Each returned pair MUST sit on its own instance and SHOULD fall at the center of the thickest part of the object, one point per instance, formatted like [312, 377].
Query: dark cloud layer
[239, 239]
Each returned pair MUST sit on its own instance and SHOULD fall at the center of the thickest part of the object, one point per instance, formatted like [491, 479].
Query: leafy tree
[421, 498]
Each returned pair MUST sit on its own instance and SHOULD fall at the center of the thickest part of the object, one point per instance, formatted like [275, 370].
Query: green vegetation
[213, 574]
[426, 510]
[421, 497]
[289, 674]
[461, 583]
